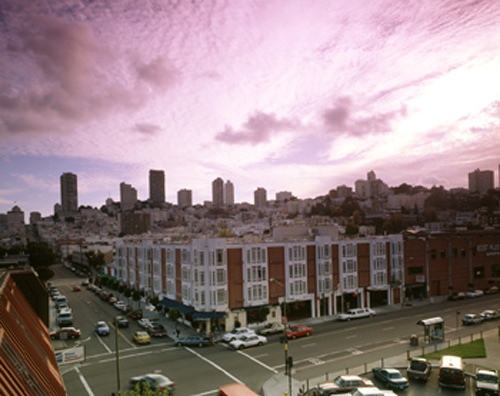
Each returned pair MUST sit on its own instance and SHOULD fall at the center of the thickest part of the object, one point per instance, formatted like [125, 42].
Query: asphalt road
[199, 371]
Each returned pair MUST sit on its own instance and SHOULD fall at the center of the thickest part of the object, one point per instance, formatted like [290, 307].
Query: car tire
[241, 347]
[260, 344]
[308, 334]
[200, 344]
[294, 337]
[178, 344]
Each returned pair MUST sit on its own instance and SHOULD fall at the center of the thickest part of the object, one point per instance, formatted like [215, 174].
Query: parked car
[390, 377]
[112, 300]
[77, 288]
[157, 330]
[419, 368]
[102, 328]
[137, 314]
[64, 319]
[63, 307]
[342, 384]
[356, 313]
[471, 319]
[144, 323]
[157, 383]
[65, 311]
[457, 296]
[65, 332]
[237, 334]
[121, 321]
[489, 314]
[491, 290]
[486, 382]
[120, 305]
[195, 341]
[272, 328]
[371, 391]
[248, 341]
[474, 293]
[85, 283]
[299, 331]
[141, 337]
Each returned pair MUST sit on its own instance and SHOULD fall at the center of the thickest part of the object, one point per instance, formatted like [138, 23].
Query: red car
[298, 331]
[77, 288]
[65, 333]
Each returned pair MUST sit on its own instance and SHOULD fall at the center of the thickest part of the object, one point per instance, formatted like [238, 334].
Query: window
[415, 270]
[462, 252]
[442, 253]
[455, 252]
[433, 253]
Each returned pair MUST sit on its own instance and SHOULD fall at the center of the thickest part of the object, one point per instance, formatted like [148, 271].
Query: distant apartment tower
[260, 197]
[283, 196]
[128, 196]
[229, 193]
[481, 181]
[185, 198]
[218, 192]
[344, 191]
[157, 187]
[69, 193]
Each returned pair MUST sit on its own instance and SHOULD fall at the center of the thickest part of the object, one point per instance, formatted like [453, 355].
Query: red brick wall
[276, 265]
[235, 277]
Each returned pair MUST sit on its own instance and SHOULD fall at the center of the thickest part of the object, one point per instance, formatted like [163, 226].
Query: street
[333, 347]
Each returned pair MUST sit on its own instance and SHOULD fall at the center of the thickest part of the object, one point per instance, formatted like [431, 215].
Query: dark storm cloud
[259, 128]
[341, 119]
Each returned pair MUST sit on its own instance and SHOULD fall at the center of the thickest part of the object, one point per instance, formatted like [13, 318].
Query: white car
[237, 333]
[474, 293]
[356, 313]
[248, 341]
[120, 305]
[272, 328]
[144, 323]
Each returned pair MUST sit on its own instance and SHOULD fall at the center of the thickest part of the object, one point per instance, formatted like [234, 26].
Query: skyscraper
[229, 193]
[69, 193]
[184, 198]
[128, 196]
[260, 197]
[481, 181]
[218, 192]
[157, 187]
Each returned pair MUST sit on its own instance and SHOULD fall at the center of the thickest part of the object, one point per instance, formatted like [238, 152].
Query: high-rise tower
[128, 196]
[218, 192]
[229, 193]
[260, 197]
[157, 187]
[69, 193]
[185, 198]
[481, 181]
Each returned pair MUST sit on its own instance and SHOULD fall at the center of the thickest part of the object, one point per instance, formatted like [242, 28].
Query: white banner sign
[73, 355]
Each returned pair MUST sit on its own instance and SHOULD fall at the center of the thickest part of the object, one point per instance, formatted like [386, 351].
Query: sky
[288, 95]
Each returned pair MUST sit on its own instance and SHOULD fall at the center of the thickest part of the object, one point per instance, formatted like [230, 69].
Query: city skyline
[287, 96]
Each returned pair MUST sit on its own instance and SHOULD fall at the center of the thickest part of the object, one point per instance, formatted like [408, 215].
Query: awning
[430, 321]
[168, 303]
[208, 315]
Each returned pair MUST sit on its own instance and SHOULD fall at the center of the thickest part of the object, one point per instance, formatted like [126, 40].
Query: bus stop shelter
[433, 329]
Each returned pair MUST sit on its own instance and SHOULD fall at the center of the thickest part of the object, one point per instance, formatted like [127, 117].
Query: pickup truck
[486, 382]
[419, 369]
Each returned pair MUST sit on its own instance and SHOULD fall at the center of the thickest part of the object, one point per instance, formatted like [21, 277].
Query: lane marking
[103, 344]
[258, 362]
[84, 382]
[212, 392]
[388, 328]
[308, 345]
[214, 365]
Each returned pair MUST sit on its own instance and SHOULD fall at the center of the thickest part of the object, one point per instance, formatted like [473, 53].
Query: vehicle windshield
[487, 378]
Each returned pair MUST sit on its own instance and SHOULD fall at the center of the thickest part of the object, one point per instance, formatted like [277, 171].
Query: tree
[40, 255]
[95, 260]
[174, 314]
[351, 229]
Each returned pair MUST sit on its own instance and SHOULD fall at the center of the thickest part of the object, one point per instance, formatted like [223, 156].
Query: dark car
[390, 377]
[121, 321]
[419, 368]
[157, 330]
[195, 341]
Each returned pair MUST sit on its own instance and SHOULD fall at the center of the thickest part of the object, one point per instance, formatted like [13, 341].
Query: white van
[451, 372]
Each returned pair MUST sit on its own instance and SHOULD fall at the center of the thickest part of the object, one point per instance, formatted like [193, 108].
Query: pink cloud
[259, 128]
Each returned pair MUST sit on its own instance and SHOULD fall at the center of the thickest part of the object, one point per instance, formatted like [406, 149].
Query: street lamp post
[288, 370]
